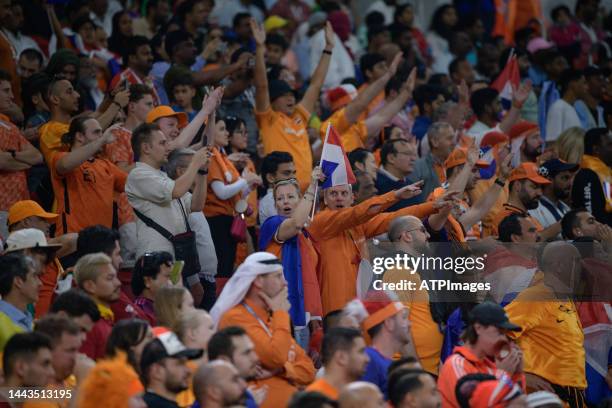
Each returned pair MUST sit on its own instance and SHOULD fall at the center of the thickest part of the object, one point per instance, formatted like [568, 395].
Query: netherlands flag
[506, 80]
[334, 163]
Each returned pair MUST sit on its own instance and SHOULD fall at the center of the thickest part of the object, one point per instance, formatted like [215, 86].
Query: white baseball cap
[29, 238]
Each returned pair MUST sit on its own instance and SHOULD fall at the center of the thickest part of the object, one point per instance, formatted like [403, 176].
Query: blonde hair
[189, 320]
[88, 267]
[167, 305]
[570, 145]
[289, 182]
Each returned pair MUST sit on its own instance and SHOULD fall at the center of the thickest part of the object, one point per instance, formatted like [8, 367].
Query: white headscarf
[236, 288]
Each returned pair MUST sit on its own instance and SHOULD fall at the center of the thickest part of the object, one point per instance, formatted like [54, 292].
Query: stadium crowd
[193, 194]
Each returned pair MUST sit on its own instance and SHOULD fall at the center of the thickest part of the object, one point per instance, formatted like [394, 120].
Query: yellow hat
[274, 22]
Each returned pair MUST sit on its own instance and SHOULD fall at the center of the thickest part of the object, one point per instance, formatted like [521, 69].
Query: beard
[561, 193]
[532, 204]
[531, 152]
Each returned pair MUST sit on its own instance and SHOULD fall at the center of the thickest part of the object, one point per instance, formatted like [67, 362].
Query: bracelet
[327, 52]
[202, 172]
[118, 104]
[500, 182]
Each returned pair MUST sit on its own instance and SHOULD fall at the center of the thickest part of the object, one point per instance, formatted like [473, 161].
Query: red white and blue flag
[509, 78]
[334, 163]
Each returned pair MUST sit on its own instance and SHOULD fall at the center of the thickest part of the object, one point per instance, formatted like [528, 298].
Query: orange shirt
[425, 331]
[14, 183]
[508, 209]
[352, 136]
[341, 237]
[8, 63]
[186, 398]
[219, 169]
[462, 362]
[277, 351]
[551, 336]
[280, 132]
[120, 151]
[453, 226]
[489, 219]
[324, 388]
[51, 138]
[48, 280]
[85, 195]
[374, 103]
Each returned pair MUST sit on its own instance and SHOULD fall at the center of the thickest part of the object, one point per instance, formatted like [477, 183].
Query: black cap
[166, 345]
[555, 166]
[278, 88]
[492, 314]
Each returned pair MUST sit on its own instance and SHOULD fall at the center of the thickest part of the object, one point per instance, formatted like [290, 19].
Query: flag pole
[314, 202]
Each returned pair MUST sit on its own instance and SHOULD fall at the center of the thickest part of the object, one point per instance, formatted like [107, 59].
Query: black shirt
[155, 401]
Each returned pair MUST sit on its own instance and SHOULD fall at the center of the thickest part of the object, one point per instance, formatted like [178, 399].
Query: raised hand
[202, 157]
[395, 63]
[409, 85]
[409, 191]
[122, 97]
[329, 37]
[259, 34]
[506, 167]
[211, 102]
[473, 153]
[317, 175]
[108, 137]
[520, 94]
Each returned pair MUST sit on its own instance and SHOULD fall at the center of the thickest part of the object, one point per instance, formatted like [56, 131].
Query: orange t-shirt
[89, 189]
[374, 103]
[324, 388]
[120, 151]
[14, 183]
[480, 189]
[51, 138]
[48, 281]
[353, 136]
[509, 209]
[217, 169]
[280, 132]
[8, 63]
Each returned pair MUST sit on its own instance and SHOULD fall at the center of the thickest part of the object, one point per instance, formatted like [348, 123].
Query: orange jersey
[551, 336]
[324, 388]
[85, 195]
[51, 139]
[120, 152]
[276, 349]
[14, 183]
[353, 135]
[280, 132]
[341, 237]
[48, 281]
[488, 221]
[425, 331]
[462, 362]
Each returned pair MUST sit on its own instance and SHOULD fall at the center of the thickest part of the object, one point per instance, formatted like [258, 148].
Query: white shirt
[149, 191]
[544, 215]
[479, 129]
[341, 65]
[22, 42]
[266, 206]
[561, 116]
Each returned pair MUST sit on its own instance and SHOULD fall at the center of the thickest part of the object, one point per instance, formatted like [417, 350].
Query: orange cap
[459, 157]
[27, 208]
[165, 111]
[529, 171]
[493, 138]
[522, 129]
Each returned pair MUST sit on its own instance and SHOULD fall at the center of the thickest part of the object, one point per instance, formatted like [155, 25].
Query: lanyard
[261, 322]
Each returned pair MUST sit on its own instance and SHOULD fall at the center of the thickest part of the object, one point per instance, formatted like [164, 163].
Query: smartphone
[126, 84]
[177, 271]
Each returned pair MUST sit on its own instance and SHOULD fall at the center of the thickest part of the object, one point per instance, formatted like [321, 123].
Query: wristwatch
[202, 172]
[500, 182]
[13, 153]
